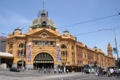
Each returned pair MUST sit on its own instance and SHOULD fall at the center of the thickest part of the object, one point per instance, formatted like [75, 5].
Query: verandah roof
[5, 54]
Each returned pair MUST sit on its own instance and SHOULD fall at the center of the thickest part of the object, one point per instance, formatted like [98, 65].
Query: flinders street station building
[44, 47]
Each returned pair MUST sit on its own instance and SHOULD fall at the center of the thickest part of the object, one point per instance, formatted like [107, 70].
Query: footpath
[6, 75]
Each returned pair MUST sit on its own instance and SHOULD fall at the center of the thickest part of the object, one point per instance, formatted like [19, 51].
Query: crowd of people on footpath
[49, 70]
[110, 72]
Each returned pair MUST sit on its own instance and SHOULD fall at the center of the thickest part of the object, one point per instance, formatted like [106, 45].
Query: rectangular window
[46, 42]
[64, 53]
[51, 42]
[41, 42]
[20, 53]
[36, 43]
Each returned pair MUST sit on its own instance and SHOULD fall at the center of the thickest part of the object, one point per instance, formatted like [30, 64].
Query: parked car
[14, 70]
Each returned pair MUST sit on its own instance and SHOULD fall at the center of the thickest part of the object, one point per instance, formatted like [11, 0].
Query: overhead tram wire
[88, 33]
[3, 33]
[99, 30]
[92, 20]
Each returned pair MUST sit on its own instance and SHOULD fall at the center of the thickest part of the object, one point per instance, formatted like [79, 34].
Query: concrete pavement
[6, 75]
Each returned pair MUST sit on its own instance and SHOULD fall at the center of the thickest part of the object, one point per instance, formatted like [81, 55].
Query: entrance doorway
[19, 64]
[43, 60]
[6, 61]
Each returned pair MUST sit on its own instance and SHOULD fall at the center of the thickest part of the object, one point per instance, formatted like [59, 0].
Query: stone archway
[43, 60]
[19, 64]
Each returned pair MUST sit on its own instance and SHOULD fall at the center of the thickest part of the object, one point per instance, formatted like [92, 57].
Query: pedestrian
[100, 71]
[108, 73]
[111, 72]
[49, 70]
[38, 69]
[97, 72]
[105, 71]
[55, 71]
[44, 70]
[67, 71]
[59, 70]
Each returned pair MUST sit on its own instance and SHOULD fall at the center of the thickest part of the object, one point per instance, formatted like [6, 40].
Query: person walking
[111, 72]
[97, 72]
[67, 71]
[55, 71]
[44, 70]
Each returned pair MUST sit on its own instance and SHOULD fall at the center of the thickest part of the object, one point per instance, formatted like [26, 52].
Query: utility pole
[113, 30]
[43, 4]
[116, 44]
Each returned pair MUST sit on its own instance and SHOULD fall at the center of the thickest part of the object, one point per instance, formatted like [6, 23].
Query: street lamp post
[65, 67]
[23, 54]
[23, 58]
[65, 62]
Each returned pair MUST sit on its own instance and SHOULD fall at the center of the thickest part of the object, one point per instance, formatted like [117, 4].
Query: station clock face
[43, 35]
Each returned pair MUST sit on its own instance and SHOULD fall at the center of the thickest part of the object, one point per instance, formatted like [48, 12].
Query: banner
[29, 52]
[58, 55]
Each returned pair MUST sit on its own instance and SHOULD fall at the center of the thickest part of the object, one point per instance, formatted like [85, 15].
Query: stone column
[0, 61]
[14, 65]
[29, 66]
[55, 66]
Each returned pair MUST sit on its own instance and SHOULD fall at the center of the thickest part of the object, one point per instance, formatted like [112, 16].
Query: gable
[48, 32]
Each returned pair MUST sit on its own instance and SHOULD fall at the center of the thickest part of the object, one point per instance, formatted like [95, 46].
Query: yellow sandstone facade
[44, 46]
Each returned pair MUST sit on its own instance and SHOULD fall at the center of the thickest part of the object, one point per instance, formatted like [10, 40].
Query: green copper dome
[18, 30]
[43, 21]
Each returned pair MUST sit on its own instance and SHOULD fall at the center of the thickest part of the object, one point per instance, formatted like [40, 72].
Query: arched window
[43, 14]
[44, 23]
[21, 45]
[63, 46]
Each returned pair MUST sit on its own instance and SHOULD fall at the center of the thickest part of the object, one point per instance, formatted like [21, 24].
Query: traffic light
[114, 49]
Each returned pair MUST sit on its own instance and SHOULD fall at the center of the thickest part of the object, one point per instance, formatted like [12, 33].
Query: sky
[21, 13]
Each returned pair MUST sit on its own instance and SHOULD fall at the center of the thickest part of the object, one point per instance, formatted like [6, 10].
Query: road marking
[85, 78]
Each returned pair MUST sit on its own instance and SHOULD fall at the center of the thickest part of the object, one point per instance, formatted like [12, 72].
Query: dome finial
[43, 4]
[43, 13]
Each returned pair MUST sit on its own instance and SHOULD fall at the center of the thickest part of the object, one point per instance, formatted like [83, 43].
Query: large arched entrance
[43, 60]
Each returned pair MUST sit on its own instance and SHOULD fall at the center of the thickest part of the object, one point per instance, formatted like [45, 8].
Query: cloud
[13, 18]
[9, 17]
[10, 20]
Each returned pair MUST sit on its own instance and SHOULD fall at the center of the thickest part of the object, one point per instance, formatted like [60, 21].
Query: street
[6, 75]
